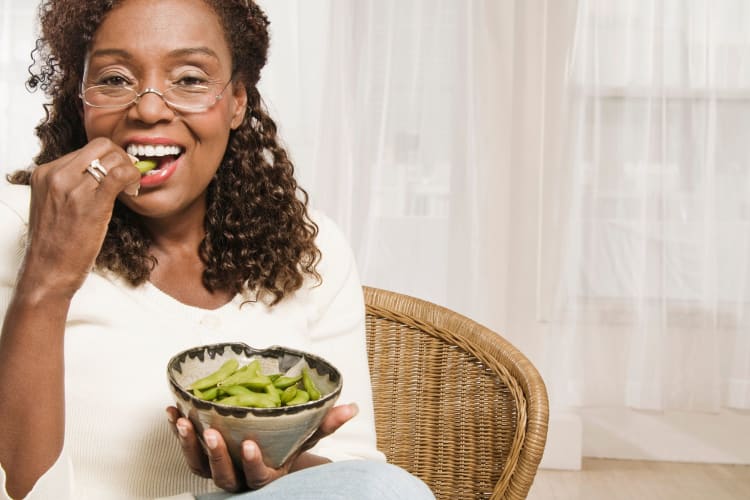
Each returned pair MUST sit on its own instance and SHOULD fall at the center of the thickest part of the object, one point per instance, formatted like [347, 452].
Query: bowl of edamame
[276, 396]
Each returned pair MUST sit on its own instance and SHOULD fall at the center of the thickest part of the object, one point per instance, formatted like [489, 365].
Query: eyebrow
[185, 52]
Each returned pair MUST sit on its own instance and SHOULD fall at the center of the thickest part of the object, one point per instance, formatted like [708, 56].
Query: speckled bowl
[278, 431]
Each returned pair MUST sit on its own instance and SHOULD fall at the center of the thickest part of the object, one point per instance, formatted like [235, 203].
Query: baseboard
[564, 438]
[666, 436]
[629, 434]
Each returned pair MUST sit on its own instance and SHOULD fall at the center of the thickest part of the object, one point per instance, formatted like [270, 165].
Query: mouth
[161, 154]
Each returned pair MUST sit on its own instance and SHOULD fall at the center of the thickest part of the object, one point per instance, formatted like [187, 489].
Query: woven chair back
[452, 400]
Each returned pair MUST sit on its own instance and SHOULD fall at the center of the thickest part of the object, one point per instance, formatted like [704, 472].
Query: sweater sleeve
[337, 328]
[14, 205]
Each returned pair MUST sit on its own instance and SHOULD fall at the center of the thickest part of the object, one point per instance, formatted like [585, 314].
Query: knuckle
[225, 483]
[118, 174]
[38, 175]
[53, 179]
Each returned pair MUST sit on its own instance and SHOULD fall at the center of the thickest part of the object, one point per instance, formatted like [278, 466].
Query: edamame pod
[216, 377]
[254, 399]
[274, 394]
[307, 381]
[246, 375]
[288, 395]
[235, 390]
[299, 398]
[207, 395]
[283, 382]
[145, 166]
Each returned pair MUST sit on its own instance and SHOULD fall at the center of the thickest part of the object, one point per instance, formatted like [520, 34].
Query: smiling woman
[214, 243]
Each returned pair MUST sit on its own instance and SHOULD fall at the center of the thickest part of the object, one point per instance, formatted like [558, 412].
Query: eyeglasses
[185, 98]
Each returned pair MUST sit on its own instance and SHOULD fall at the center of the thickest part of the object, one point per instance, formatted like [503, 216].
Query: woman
[106, 272]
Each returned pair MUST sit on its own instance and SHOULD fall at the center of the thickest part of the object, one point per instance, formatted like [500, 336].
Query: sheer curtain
[399, 116]
[652, 206]
[20, 110]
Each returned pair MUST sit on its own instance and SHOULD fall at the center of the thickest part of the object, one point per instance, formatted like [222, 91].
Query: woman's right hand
[70, 212]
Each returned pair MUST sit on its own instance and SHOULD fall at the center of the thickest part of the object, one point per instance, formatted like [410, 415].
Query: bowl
[279, 431]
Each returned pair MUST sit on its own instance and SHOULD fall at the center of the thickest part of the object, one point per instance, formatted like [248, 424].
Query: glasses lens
[109, 96]
[190, 97]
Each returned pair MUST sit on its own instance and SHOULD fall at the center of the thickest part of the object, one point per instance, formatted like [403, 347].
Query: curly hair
[259, 236]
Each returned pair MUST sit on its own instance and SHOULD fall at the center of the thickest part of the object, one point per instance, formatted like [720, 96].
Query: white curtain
[20, 110]
[652, 204]
[569, 173]
[399, 116]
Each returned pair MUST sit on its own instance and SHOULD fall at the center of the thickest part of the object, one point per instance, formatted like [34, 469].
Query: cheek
[96, 123]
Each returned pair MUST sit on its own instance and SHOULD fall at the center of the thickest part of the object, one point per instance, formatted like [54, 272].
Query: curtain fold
[652, 308]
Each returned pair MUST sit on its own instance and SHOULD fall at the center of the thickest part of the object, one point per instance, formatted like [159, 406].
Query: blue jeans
[346, 480]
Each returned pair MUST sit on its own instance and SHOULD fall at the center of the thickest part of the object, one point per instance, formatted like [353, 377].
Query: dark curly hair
[259, 236]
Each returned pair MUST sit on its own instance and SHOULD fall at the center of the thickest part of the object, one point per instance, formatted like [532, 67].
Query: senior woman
[106, 272]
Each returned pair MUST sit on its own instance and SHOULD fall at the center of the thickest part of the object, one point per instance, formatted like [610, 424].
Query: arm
[68, 217]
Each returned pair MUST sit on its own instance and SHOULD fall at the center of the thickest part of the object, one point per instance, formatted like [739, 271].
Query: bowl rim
[239, 348]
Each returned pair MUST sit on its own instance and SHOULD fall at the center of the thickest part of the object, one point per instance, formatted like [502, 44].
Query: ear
[239, 97]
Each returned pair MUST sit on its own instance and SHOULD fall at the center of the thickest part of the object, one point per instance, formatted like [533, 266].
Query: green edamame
[145, 166]
[284, 382]
[307, 381]
[246, 386]
[288, 394]
[213, 379]
[254, 399]
[300, 397]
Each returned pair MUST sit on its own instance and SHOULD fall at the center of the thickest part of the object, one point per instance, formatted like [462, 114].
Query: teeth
[149, 150]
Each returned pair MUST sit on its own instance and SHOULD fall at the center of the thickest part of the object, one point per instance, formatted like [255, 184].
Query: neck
[178, 232]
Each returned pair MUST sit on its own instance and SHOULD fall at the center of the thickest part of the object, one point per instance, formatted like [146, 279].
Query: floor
[601, 479]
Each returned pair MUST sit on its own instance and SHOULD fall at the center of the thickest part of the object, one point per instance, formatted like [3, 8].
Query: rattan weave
[455, 403]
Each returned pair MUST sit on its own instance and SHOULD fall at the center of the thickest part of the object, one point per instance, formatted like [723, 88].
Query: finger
[334, 419]
[172, 415]
[222, 468]
[257, 473]
[120, 174]
[191, 448]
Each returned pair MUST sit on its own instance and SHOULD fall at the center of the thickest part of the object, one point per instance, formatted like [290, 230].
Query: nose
[150, 107]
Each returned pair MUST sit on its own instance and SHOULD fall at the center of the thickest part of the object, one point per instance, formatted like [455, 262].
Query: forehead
[157, 28]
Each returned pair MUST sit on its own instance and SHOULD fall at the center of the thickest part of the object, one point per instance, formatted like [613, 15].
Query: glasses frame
[150, 90]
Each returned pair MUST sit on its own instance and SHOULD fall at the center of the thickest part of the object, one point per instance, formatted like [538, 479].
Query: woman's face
[157, 44]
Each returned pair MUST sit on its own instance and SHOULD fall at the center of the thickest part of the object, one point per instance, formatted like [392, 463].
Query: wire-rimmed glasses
[185, 98]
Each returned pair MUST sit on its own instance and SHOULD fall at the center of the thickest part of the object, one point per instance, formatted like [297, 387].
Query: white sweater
[118, 340]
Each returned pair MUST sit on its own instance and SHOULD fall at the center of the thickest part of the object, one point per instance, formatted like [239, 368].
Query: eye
[191, 81]
[114, 81]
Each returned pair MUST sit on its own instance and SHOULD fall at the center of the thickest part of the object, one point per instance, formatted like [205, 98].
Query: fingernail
[211, 441]
[182, 429]
[170, 417]
[248, 449]
[355, 409]
[132, 158]
[133, 190]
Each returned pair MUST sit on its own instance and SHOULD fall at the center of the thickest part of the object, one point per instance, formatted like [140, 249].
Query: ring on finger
[97, 170]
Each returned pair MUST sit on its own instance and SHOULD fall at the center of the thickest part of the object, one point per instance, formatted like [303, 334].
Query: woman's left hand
[214, 461]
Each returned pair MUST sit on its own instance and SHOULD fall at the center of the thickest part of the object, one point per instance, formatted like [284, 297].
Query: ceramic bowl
[279, 431]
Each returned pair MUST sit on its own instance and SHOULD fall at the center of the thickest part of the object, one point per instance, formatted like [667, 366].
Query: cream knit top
[118, 340]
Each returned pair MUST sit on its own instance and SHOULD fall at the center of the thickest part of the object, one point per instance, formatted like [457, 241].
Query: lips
[160, 174]
[165, 153]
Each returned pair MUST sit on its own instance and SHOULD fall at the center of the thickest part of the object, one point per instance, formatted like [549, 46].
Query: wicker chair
[455, 403]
